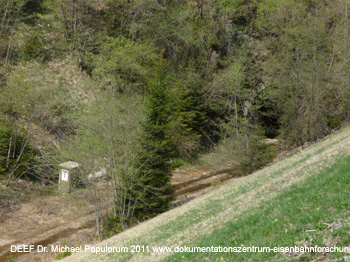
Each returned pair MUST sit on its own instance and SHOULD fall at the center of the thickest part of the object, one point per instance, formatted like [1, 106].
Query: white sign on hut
[66, 170]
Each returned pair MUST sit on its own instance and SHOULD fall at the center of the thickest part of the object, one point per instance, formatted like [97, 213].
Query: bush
[18, 158]
[34, 48]
[111, 226]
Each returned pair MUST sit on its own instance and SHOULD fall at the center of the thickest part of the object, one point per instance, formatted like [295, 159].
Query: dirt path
[236, 197]
[45, 220]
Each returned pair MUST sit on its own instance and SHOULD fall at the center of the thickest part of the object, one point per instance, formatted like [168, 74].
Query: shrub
[34, 48]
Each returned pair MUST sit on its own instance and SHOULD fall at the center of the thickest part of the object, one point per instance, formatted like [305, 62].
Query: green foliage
[242, 14]
[298, 64]
[118, 19]
[33, 6]
[189, 116]
[124, 62]
[106, 130]
[5, 134]
[153, 194]
[44, 96]
[34, 48]
[183, 30]
[231, 73]
[230, 5]
[241, 133]
[107, 138]
[112, 226]
[265, 12]
[16, 154]
[244, 146]
[333, 122]
[62, 255]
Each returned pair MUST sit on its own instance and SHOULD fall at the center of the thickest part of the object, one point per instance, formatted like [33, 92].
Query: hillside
[301, 200]
[143, 95]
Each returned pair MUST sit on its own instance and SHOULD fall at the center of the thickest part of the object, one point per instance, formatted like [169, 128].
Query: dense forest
[141, 87]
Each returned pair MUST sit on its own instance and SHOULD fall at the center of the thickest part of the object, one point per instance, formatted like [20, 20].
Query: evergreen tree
[153, 193]
[191, 118]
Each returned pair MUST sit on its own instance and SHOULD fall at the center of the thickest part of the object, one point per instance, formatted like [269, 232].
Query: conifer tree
[192, 118]
[153, 192]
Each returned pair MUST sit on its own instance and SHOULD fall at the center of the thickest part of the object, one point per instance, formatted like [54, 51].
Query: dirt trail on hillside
[271, 181]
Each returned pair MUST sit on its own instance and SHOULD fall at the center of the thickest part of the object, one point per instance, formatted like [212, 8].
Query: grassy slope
[273, 206]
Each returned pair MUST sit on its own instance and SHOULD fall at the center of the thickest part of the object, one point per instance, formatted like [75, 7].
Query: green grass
[210, 208]
[283, 221]
[62, 255]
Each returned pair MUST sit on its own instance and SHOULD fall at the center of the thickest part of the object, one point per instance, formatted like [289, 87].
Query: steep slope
[207, 215]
